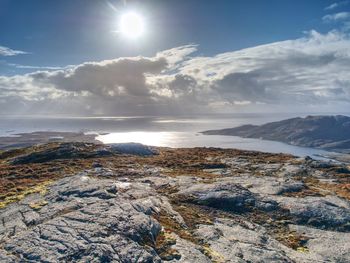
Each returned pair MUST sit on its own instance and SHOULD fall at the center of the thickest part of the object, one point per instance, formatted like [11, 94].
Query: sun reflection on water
[147, 138]
[192, 139]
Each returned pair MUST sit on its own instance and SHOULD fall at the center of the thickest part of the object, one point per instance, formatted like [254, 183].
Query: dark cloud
[109, 78]
[242, 86]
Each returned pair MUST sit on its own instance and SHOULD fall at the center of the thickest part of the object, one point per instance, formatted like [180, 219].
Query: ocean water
[161, 131]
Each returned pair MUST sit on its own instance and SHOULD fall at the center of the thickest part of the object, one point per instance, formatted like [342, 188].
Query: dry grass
[17, 181]
[12, 197]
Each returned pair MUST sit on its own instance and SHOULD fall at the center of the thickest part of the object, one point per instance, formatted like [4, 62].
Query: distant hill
[325, 132]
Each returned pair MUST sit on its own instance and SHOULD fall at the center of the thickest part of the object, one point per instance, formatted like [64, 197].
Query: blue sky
[65, 32]
[218, 55]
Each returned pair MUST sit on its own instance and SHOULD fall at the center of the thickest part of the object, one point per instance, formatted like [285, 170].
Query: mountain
[87, 202]
[325, 132]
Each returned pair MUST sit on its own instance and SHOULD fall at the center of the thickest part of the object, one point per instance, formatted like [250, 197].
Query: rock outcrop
[175, 205]
[80, 150]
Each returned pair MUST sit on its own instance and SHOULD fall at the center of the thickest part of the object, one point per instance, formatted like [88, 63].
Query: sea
[167, 131]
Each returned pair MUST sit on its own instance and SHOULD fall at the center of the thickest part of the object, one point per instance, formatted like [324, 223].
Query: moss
[12, 153]
[340, 188]
[307, 191]
[38, 205]
[17, 181]
[276, 224]
[165, 241]
[303, 249]
[292, 239]
[214, 256]
[18, 196]
[171, 225]
[167, 190]
[193, 215]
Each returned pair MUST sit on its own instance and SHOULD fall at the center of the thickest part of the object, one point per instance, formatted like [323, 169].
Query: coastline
[21, 140]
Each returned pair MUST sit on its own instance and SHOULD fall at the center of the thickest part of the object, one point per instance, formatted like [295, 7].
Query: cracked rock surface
[172, 205]
[84, 219]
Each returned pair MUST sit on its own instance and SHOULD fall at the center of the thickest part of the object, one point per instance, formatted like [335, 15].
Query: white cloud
[311, 71]
[5, 51]
[336, 17]
[34, 67]
[177, 54]
[23, 86]
[282, 72]
[336, 5]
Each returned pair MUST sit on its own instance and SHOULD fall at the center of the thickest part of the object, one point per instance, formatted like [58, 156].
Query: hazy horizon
[165, 131]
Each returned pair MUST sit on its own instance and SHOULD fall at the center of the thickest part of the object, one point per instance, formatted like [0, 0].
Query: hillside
[324, 132]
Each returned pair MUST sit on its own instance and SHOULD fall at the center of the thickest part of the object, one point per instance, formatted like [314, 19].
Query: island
[331, 133]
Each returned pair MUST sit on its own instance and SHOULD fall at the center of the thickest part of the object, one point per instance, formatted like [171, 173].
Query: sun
[131, 25]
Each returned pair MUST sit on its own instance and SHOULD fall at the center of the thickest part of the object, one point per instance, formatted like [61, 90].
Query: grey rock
[231, 242]
[82, 150]
[321, 212]
[97, 165]
[228, 196]
[133, 148]
[6, 257]
[188, 252]
[325, 246]
[61, 151]
[265, 185]
[85, 219]
[291, 170]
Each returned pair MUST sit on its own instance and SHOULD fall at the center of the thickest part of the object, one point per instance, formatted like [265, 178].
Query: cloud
[336, 17]
[242, 86]
[110, 78]
[289, 72]
[35, 67]
[177, 54]
[23, 86]
[311, 71]
[5, 51]
[122, 85]
[336, 5]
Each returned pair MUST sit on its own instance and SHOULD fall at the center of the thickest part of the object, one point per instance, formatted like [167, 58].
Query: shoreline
[22, 140]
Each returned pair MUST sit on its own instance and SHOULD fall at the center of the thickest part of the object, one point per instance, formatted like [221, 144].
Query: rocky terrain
[325, 132]
[84, 202]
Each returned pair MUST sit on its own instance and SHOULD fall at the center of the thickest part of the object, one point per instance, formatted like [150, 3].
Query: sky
[72, 57]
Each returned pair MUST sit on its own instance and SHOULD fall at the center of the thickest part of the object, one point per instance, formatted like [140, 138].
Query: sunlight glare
[147, 138]
[131, 25]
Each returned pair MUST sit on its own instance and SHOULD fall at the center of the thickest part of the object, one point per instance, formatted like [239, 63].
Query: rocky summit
[85, 202]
